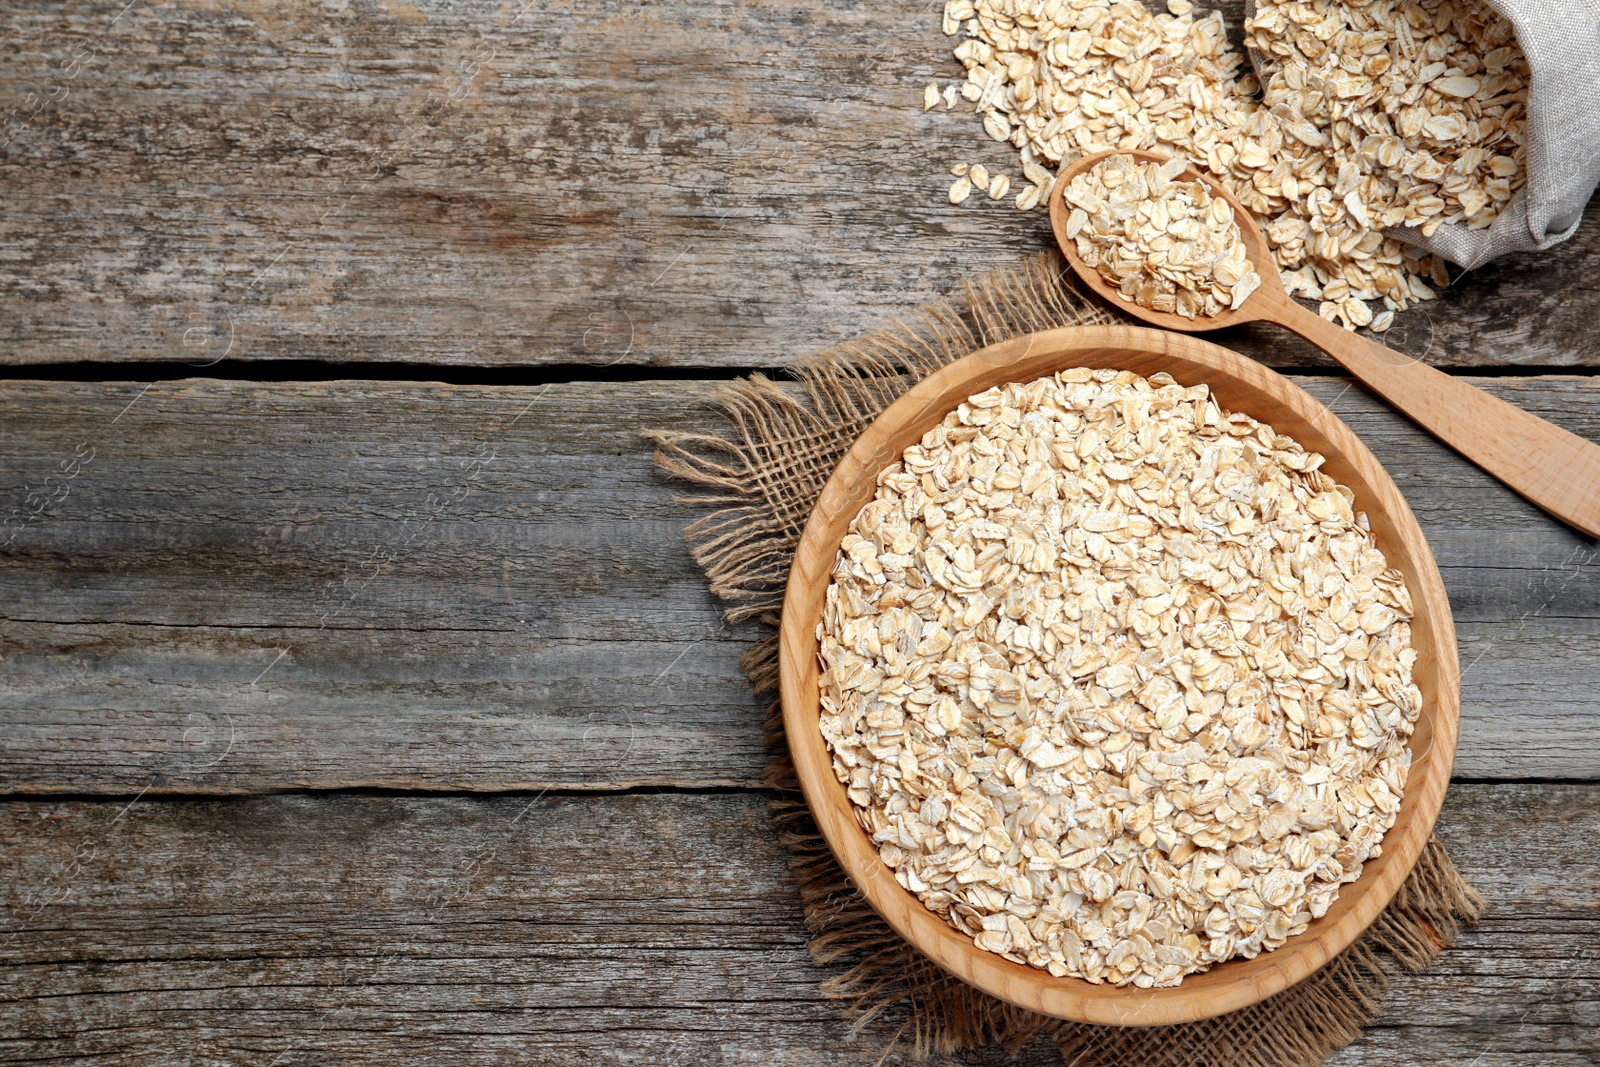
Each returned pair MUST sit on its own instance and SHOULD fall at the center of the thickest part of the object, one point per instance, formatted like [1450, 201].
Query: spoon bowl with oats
[1163, 242]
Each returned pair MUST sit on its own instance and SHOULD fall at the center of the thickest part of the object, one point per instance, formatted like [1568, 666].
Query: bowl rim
[1273, 399]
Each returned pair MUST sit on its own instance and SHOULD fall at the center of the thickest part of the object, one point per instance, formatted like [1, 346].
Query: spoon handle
[1555, 469]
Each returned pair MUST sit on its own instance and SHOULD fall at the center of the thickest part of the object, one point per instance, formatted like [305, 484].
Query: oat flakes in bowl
[1119, 683]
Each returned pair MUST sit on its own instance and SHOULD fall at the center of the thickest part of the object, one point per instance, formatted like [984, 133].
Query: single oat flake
[1118, 682]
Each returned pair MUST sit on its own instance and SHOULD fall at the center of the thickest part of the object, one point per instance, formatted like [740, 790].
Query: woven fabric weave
[762, 477]
[1561, 39]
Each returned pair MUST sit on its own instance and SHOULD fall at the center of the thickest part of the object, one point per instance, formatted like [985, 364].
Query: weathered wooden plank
[475, 588]
[691, 183]
[655, 929]
[254, 587]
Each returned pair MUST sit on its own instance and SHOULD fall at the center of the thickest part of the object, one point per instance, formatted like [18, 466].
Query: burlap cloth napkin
[762, 478]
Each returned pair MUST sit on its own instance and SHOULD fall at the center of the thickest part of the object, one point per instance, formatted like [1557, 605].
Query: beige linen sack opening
[1561, 40]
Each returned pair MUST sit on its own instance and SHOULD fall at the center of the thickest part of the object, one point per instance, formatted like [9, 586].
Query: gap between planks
[307, 371]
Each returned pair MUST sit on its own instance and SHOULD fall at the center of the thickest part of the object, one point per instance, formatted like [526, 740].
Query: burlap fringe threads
[763, 478]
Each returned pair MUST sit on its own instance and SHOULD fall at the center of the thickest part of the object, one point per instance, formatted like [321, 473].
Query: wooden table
[361, 703]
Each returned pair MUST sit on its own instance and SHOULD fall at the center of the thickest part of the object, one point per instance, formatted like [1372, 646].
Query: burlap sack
[1561, 39]
[761, 478]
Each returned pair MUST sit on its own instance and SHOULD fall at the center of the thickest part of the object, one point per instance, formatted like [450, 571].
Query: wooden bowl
[1239, 385]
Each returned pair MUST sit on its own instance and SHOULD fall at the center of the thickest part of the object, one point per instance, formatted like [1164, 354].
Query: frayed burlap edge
[762, 478]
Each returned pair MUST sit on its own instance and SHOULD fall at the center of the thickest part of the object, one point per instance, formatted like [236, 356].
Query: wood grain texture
[568, 642]
[1551, 467]
[1238, 385]
[262, 586]
[253, 588]
[617, 930]
[686, 183]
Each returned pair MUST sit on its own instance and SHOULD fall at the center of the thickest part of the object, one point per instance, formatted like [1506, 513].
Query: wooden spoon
[1555, 469]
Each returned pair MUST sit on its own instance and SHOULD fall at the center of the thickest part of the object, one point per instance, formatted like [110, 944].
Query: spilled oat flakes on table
[1374, 117]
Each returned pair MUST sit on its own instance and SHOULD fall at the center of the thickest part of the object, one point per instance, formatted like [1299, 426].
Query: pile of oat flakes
[1117, 681]
[1166, 244]
[1376, 115]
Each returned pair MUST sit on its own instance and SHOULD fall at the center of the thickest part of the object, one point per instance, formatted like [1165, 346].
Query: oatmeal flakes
[1117, 681]
[1167, 245]
[1376, 116]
